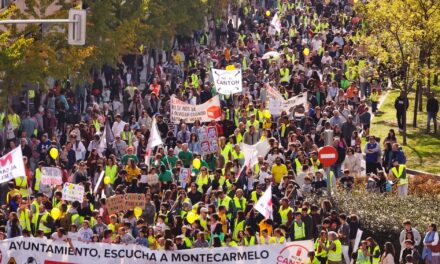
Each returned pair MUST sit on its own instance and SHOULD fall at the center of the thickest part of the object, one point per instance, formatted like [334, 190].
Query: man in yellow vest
[24, 215]
[45, 221]
[286, 212]
[35, 211]
[398, 171]
[226, 201]
[22, 185]
[334, 249]
[239, 201]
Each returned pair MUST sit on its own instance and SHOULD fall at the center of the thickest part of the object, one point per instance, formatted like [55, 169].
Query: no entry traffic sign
[327, 155]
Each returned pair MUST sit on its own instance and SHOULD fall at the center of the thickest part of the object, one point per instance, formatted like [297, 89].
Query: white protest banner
[272, 93]
[276, 106]
[264, 204]
[51, 176]
[11, 165]
[73, 192]
[184, 174]
[37, 250]
[206, 112]
[228, 81]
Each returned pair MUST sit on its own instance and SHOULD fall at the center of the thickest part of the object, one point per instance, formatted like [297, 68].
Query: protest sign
[184, 174]
[228, 81]
[37, 250]
[115, 204]
[133, 200]
[206, 112]
[51, 176]
[73, 192]
[208, 139]
[11, 165]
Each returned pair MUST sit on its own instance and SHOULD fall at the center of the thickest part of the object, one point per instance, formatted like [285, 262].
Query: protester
[199, 177]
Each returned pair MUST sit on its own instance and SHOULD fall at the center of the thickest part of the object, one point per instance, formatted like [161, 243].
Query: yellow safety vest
[111, 172]
[225, 152]
[336, 254]
[96, 124]
[226, 202]
[323, 252]
[284, 213]
[24, 219]
[300, 230]
[37, 179]
[284, 72]
[2, 116]
[238, 226]
[249, 242]
[256, 124]
[298, 166]
[235, 156]
[15, 120]
[269, 241]
[375, 251]
[111, 227]
[195, 80]
[42, 226]
[21, 183]
[37, 212]
[240, 204]
[400, 174]
[127, 136]
[315, 164]
[201, 181]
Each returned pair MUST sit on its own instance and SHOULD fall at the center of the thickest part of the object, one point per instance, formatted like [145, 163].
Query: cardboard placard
[133, 200]
[115, 204]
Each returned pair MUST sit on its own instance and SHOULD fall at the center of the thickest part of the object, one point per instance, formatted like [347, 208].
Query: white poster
[43, 251]
[206, 112]
[11, 165]
[73, 192]
[251, 152]
[51, 176]
[276, 23]
[228, 82]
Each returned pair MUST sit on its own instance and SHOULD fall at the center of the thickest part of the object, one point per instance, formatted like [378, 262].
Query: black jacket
[432, 105]
[401, 104]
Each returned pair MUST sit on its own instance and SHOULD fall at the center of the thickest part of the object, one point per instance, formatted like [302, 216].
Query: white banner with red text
[11, 165]
[206, 112]
[42, 251]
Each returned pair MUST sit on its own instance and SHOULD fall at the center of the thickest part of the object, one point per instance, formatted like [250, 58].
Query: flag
[12, 165]
[153, 141]
[242, 178]
[108, 133]
[264, 204]
[276, 23]
[251, 152]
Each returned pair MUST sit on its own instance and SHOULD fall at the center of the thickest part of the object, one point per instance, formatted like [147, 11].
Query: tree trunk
[404, 128]
[416, 102]
[429, 75]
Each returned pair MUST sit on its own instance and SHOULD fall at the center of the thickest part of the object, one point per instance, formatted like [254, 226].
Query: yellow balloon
[197, 163]
[230, 67]
[191, 217]
[306, 51]
[107, 180]
[55, 213]
[137, 212]
[268, 13]
[53, 153]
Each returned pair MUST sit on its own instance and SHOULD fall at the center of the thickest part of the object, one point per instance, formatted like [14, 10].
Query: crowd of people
[318, 53]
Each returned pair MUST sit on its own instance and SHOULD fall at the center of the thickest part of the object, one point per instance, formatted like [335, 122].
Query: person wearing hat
[297, 228]
[398, 172]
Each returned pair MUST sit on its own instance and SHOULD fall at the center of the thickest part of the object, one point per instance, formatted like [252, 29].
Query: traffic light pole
[76, 21]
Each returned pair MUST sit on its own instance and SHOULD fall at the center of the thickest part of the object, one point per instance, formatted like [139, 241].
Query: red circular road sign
[327, 155]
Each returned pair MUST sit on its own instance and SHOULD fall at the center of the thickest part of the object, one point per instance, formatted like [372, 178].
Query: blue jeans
[433, 116]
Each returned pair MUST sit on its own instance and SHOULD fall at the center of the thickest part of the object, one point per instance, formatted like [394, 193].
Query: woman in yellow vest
[127, 135]
[279, 236]
[203, 181]
[373, 250]
[239, 224]
[320, 253]
[249, 237]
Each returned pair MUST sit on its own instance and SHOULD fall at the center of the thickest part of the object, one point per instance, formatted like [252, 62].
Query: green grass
[422, 151]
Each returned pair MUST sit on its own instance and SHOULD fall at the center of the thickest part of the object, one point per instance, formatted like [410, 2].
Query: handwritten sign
[115, 204]
[133, 200]
[51, 176]
[73, 192]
